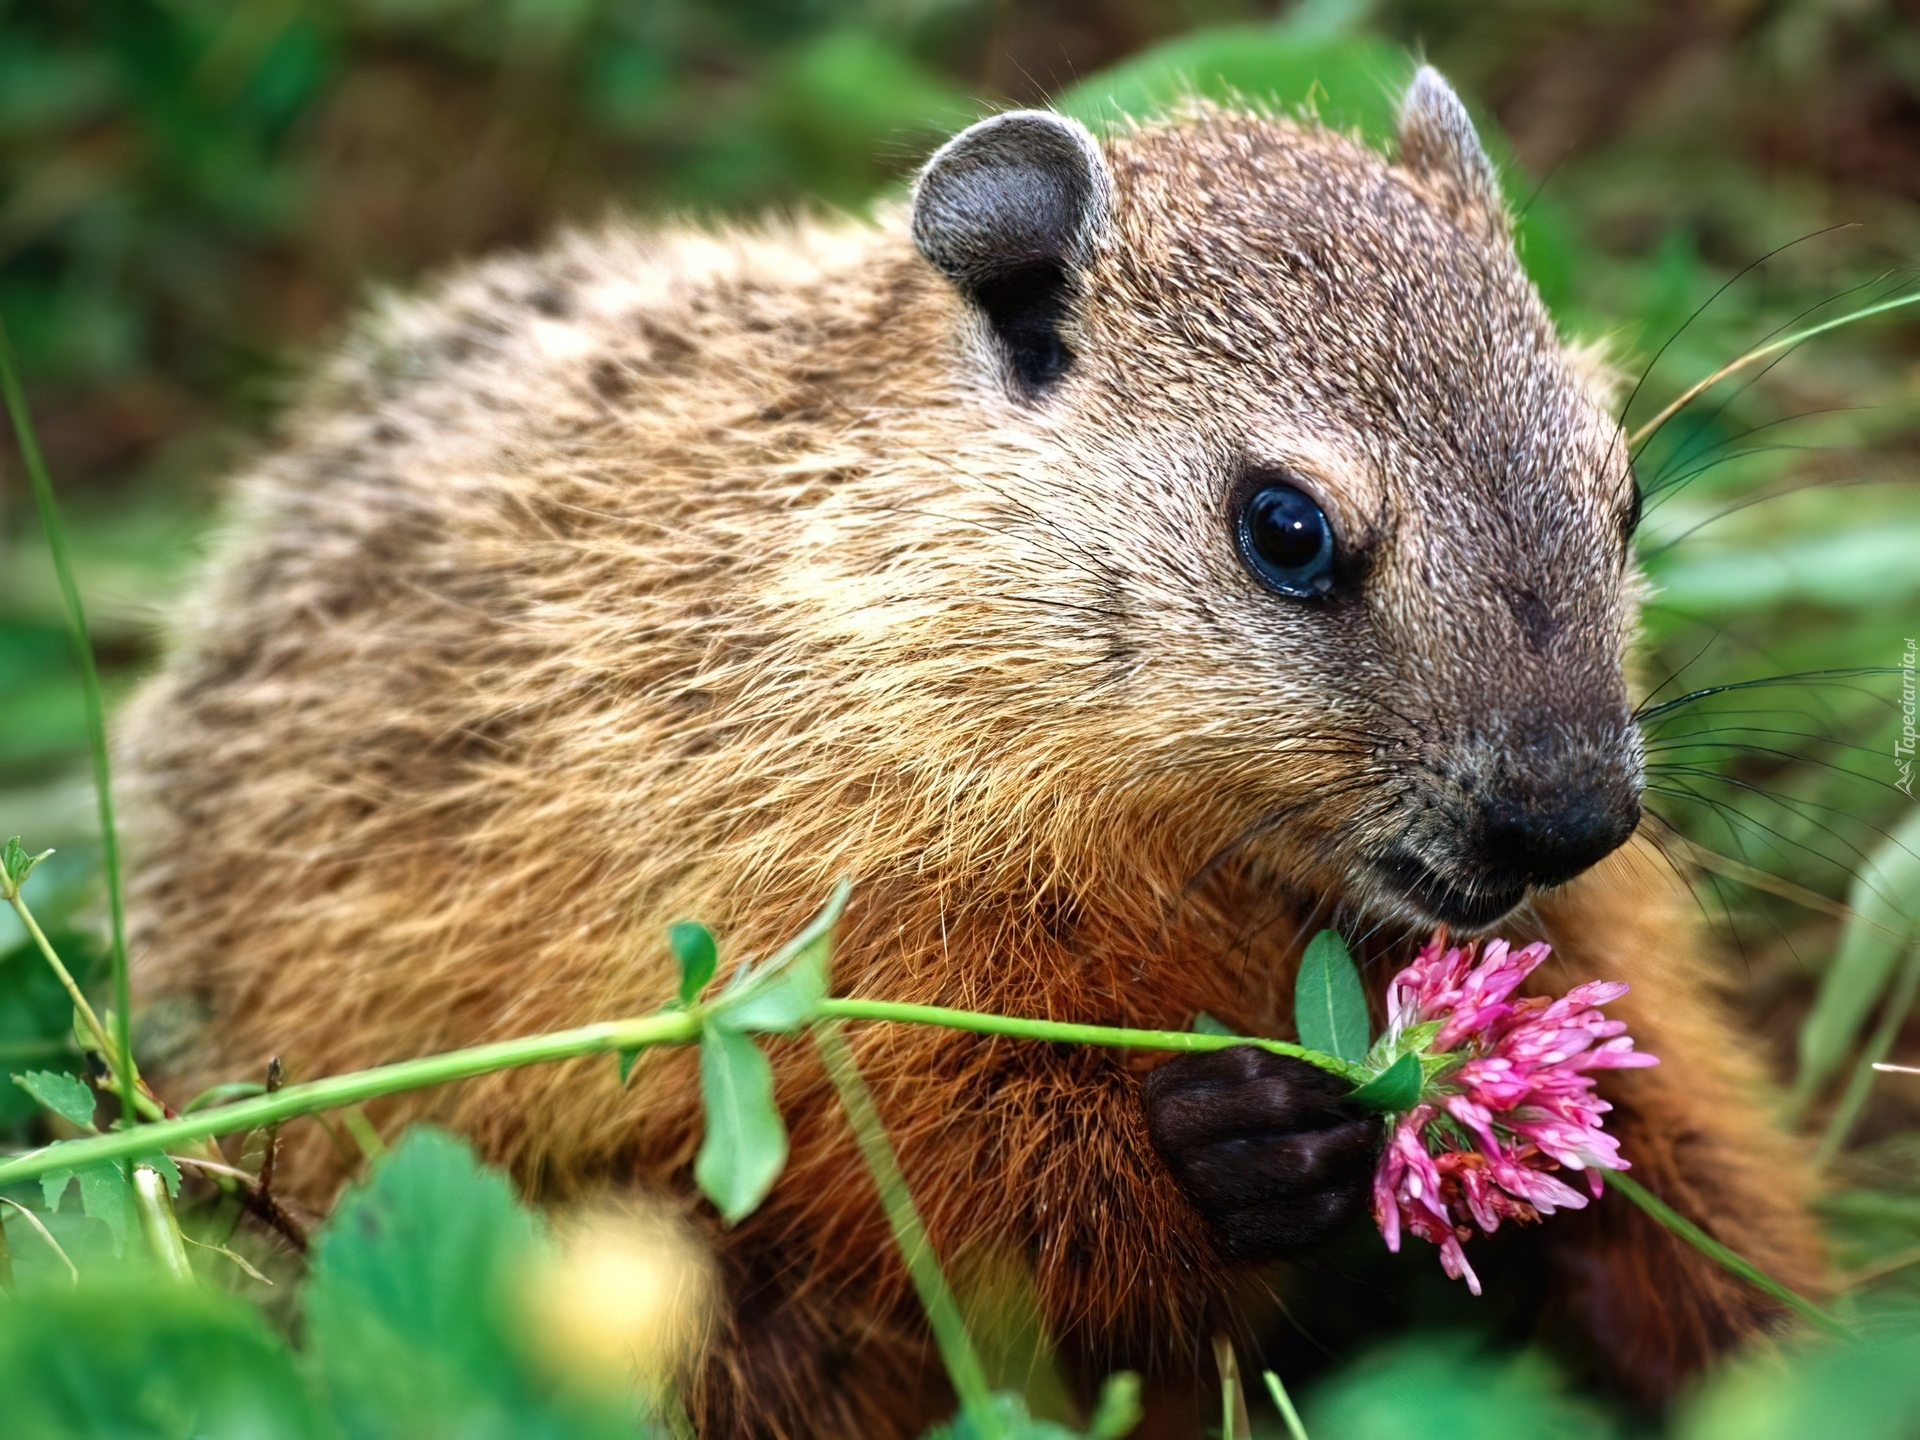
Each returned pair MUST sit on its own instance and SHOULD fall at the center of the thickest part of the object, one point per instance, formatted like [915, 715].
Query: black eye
[1286, 541]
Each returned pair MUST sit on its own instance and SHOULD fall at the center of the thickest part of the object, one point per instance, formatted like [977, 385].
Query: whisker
[1838, 677]
[1738, 276]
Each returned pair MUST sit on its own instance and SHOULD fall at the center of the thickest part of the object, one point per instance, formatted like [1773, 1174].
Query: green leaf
[782, 994]
[14, 862]
[626, 1059]
[130, 1355]
[107, 1195]
[65, 1095]
[780, 1003]
[413, 1310]
[1329, 1007]
[414, 1258]
[1393, 1089]
[1442, 1385]
[53, 1187]
[1885, 922]
[746, 1141]
[1205, 1024]
[1865, 1389]
[105, 1191]
[1352, 80]
[693, 947]
[1118, 1411]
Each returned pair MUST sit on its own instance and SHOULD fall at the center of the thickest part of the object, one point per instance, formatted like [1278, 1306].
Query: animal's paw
[1264, 1145]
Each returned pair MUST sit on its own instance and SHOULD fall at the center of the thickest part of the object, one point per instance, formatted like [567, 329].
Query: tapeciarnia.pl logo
[1903, 745]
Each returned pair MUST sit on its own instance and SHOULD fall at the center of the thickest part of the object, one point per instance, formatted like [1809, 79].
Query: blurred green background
[195, 195]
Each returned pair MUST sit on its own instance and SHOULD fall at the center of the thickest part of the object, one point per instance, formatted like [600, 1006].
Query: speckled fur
[669, 573]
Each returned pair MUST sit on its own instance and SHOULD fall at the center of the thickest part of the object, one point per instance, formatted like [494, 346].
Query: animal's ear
[1438, 141]
[1010, 210]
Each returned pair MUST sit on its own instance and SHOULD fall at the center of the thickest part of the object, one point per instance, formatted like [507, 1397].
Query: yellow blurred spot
[624, 1296]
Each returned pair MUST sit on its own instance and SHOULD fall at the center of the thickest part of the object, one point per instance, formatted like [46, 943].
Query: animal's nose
[1534, 839]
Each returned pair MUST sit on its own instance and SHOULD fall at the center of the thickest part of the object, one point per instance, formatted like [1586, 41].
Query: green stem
[1064, 1033]
[1284, 1401]
[1892, 1017]
[121, 1052]
[158, 1222]
[943, 1312]
[149, 1107]
[1760, 352]
[292, 1101]
[683, 1026]
[1714, 1250]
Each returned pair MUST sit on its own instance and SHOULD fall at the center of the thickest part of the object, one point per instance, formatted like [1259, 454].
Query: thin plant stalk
[1732, 1260]
[670, 1027]
[1234, 1423]
[73, 1271]
[1760, 352]
[1063, 1033]
[148, 1104]
[923, 1266]
[120, 1053]
[1284, 1403]
[1892, 1017]
[678, 1027]
[292, 1101]
[159, 1224]
[101, 1039]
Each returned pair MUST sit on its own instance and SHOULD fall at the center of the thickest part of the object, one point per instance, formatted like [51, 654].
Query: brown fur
[682, 574]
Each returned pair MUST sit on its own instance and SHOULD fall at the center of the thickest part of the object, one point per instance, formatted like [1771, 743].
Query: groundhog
[1128, 558]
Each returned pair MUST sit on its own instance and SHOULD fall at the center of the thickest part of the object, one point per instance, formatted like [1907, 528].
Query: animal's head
[1349, 531]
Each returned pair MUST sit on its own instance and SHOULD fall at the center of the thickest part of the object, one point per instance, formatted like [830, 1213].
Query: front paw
[1264, 1146]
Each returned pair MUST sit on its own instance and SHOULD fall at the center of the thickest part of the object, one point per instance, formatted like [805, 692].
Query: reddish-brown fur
[677, 575]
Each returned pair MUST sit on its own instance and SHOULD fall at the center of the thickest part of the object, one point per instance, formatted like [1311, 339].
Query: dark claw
[1264, 1145]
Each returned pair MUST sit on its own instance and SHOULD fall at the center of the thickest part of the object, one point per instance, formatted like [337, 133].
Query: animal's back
[462, 699]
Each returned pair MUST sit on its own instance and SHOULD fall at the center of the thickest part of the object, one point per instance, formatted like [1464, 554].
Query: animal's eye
[1286, 541]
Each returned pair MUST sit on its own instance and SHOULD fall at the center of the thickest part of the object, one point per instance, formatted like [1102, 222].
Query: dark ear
[1437, 140]
[1009, 210]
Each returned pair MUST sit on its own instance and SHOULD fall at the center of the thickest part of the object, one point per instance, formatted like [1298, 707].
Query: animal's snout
[1538, 838]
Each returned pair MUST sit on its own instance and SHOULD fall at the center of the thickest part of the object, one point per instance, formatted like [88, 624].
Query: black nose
[1547, 840]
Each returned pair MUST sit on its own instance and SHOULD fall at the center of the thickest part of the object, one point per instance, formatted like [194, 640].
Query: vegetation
[197, 190]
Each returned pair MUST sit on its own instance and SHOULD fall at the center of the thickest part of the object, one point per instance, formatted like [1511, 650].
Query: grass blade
[1673, 1220]
[1760, 352]
[1284, 1402]
[916, 1250]
[36, 467]
[1892, 1017]
[1871, 942]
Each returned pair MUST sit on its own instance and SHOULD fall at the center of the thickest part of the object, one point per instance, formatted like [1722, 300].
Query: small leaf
[746, 1141]
[780, 1003]
[53, 1187]
[1329, 1007]
[626, 1059]
[65, 1095]
[1118, 1411]
[1205, 1024]
[783, 993]
[107, 1195]
[1393, 1089]
[693, 947]
[17, 865]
